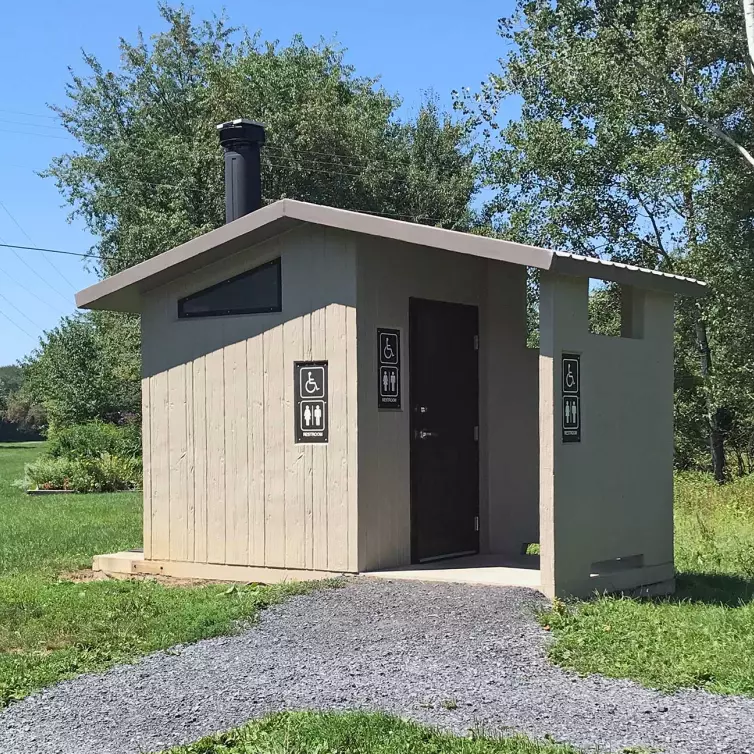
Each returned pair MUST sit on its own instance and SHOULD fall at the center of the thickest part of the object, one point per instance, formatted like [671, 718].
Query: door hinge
[476, 433]
[476, 523]
[476, 342]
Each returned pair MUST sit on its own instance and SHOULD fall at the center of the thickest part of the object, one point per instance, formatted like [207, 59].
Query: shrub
[90, 441]
[107, 473]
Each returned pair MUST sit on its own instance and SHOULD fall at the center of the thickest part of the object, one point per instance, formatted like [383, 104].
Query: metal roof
[122, 292]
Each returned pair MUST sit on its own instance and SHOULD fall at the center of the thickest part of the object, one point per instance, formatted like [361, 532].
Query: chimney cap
[240, 130]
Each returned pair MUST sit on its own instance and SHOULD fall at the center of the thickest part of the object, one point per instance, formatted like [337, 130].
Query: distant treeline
[13, 433]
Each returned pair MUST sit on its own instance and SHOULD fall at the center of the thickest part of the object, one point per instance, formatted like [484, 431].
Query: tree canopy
[633, 142]
[148, 172]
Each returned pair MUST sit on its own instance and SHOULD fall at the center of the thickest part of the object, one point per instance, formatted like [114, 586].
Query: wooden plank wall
[224, 481]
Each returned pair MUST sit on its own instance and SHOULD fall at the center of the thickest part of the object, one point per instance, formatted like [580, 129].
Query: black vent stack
[241, 140]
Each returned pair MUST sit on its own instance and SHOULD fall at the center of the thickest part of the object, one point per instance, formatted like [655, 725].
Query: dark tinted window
[252, 292]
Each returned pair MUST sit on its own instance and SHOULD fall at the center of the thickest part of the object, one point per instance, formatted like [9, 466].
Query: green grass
[356, 733]
[703, 636]
[52, 628]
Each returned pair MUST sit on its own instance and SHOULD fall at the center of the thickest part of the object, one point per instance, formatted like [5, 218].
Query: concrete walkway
[404, 647]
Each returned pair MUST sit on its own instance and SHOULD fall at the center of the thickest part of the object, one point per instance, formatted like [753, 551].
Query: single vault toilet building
[326, 391]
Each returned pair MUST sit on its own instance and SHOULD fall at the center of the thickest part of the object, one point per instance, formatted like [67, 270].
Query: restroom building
[328, 391]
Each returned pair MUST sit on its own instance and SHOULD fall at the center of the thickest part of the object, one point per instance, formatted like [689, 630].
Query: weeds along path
[448, 655]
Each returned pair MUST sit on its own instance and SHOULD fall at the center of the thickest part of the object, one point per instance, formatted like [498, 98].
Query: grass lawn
[53, 628]
[355, 733]
[703, 636]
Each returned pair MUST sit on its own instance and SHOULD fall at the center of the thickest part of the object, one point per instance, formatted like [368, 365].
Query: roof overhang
[123, 292]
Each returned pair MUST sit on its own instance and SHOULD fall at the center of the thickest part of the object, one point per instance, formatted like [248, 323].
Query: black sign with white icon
[389, 368]
[310, 379]
[571, 377]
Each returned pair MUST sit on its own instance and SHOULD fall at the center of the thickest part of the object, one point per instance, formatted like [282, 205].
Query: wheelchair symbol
[311, 386]
[312, 382]
[570, 379]
[388, 348]
[570, 375]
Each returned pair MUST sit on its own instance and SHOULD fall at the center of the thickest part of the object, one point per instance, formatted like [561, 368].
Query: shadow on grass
[713, 589]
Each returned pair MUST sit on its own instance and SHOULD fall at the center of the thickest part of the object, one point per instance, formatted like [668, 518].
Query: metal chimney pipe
[241, 140]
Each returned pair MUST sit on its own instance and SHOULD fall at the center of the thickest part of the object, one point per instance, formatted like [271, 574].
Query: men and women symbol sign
[310, 378]
[388, 368]
[571, 392]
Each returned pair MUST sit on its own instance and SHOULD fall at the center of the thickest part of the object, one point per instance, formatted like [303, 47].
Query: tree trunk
[749, 25]
[716, 439]
[716, 436]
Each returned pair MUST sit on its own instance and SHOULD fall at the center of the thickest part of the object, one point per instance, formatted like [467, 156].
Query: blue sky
[415, 45]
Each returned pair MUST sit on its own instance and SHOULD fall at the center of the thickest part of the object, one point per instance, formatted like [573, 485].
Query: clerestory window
[253, 292]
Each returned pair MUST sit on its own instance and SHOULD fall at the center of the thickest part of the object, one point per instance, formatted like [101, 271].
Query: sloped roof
[122, 292]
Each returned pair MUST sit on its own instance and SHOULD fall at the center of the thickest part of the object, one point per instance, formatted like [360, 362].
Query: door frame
[412, 302]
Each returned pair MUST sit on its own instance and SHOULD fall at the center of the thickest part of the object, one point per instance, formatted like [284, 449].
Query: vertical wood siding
[389, 274]
[224, 481]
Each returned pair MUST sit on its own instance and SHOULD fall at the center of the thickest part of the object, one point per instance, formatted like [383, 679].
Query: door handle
[422, 434]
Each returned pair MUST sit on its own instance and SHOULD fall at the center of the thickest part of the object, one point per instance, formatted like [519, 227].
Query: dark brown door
[444, 399]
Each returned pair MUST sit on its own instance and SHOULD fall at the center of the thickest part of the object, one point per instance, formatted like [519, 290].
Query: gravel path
[402, 647]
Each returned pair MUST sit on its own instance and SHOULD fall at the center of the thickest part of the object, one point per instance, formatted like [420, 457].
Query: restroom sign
[311, 418]
[571, 397]
[388, 368]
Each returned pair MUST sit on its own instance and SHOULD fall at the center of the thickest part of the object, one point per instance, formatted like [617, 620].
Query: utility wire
[25, 316]
[17, 282]
[18, 256]
[46, 136]
[28, 238]
[50, 251]
[15, 324]
[30, 115]
[28, 290]
[33, 125]
[13, 247]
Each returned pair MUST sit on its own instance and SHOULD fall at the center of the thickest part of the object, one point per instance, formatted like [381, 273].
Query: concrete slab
[132, 563]
[490, 570]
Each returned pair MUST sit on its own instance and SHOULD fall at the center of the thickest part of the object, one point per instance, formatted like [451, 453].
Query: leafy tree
[86, 368]
[634, 142]
[17, 412]
[11, 379]
[148, 174]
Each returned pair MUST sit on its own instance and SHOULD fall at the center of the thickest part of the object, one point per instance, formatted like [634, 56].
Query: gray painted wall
[224, 481]
[611, 495]
[389, 273]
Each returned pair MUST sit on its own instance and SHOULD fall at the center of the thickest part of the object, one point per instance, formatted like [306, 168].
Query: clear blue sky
[415, 45]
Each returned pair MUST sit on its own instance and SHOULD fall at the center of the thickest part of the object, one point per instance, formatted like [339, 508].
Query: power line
[109, 258]
[28, 290]
[30, 115]
[15, 324]
[33, 125]
[13, 248]
[49, 251]
[25, 316]
[28, 238]
[46, 136]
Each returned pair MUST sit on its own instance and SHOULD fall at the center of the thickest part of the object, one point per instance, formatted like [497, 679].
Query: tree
[636, 122]
[11, 379]
[86, 368]
[148, 174]
[17, 412]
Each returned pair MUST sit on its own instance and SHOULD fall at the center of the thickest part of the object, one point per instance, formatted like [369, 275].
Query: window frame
[278, 307]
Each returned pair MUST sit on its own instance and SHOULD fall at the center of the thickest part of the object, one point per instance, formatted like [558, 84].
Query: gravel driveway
[403, 647]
